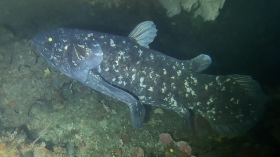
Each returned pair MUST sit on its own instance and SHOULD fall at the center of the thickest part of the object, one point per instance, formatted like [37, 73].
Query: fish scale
[126, 69]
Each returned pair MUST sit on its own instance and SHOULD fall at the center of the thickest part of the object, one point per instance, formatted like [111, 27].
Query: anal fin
[137, 114]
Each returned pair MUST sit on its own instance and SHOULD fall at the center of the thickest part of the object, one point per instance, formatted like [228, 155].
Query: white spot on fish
[172, 99]
[179, 72]
[142, 85]
[164, 88]
[174, 103]
[66, 47]
[164, 71]
[117, 70]
[152, 56]
[120, 77]
[217, 78]
[112, 44]
[173, 86]
[194, 80]
[140, 53]
[123, 41]
[141, 97]
[114, 79]
[121, 53]
[96, 45]
[186, 84]
[133, 77]
[151, 89]
[141, 82]
[99, 54]
[150, 74]
[176, 63]
[124, 83]
[90, 34]
[211, 99]
[142, 79]
[120, 82]
[206, 87]
[101, 37]
[237, 101]
[193, 93]
[107, 69]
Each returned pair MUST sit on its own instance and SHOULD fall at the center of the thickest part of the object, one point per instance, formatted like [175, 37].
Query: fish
[125, 68]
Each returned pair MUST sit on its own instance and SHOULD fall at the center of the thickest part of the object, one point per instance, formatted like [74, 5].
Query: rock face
[207, 9]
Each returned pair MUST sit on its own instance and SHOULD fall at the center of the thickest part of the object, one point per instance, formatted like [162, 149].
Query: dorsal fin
[144, 33]
[199, 63]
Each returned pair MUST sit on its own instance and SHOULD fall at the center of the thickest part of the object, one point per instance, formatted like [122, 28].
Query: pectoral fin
[137, 110]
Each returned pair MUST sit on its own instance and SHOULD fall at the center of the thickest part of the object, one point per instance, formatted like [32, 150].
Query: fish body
[126, 69]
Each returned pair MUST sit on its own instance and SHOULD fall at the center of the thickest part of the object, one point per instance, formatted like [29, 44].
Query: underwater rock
[166, 139]
[207, 9]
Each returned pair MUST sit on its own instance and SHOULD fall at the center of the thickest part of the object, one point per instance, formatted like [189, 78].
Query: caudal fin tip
[244, 106]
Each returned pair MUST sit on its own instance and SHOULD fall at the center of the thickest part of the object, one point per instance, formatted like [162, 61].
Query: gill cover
[70, 51]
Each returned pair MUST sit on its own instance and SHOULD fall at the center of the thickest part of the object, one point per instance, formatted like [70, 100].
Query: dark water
[244, 39]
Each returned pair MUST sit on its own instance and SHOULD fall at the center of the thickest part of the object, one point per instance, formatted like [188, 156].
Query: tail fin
[236, 103]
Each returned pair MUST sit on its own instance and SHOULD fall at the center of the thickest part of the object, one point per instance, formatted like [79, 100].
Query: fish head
[69, 51]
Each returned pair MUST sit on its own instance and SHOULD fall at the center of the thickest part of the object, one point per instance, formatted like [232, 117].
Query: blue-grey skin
[121, 68]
